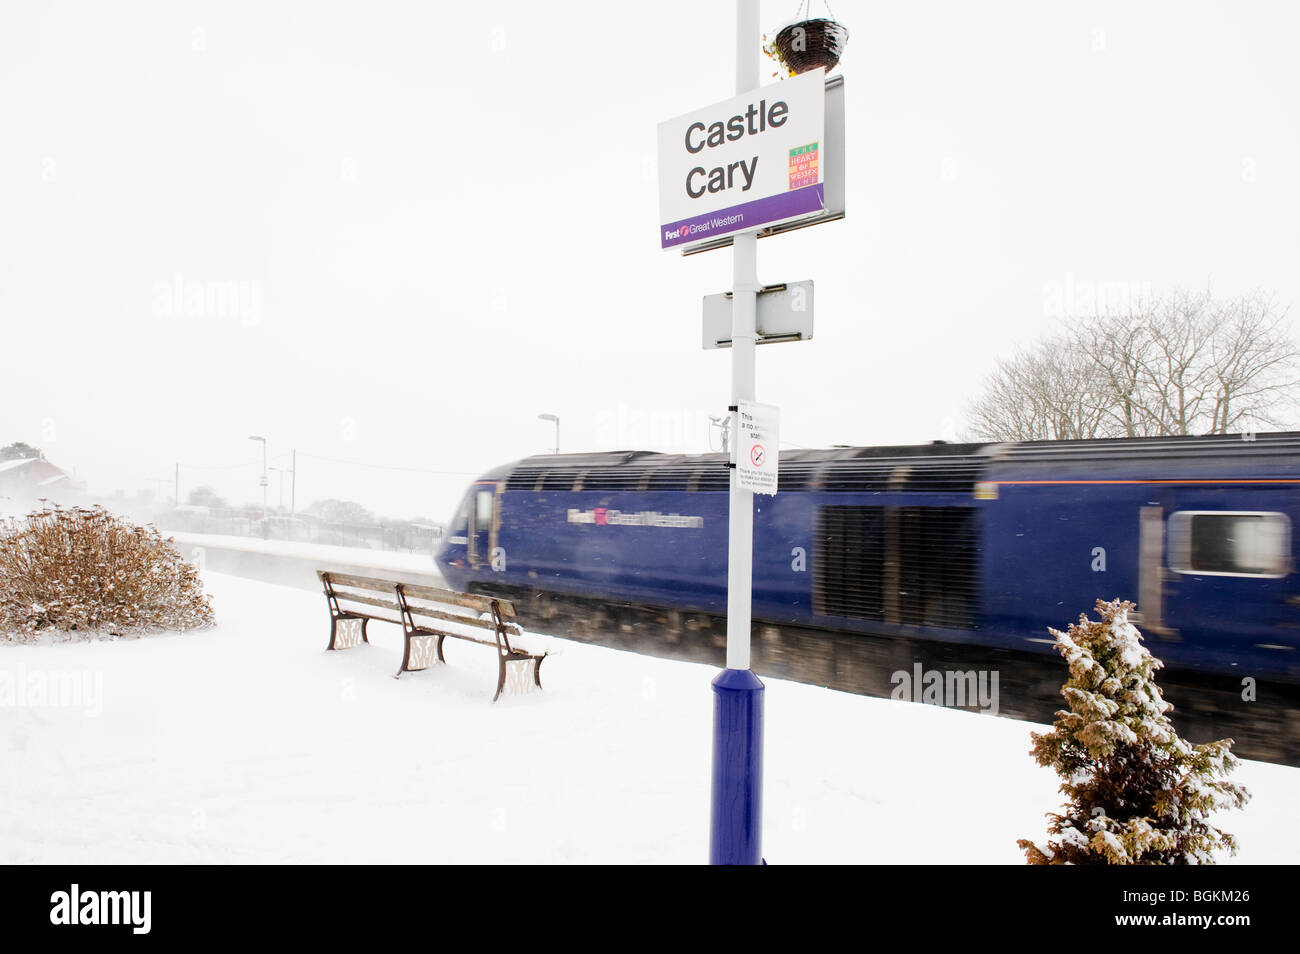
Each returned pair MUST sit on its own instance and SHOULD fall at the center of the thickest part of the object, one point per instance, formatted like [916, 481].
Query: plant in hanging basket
[808, 45]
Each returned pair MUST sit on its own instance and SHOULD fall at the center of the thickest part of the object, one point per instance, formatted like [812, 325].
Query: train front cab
[472, 536]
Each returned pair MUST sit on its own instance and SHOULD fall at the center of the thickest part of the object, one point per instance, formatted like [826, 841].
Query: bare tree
[1119, 351]
[1255, 367]
[1051, 393]
[1178, 380]
[1183, 364]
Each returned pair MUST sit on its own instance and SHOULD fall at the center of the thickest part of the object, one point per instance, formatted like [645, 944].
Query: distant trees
[207, 497]
[1183, 364]
[341, 511]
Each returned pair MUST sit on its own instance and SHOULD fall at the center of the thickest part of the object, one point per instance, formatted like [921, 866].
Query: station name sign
[752, 161]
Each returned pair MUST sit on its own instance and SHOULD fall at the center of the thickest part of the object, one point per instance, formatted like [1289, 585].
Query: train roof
[1207, 445]
[656, 459]
[937, 466]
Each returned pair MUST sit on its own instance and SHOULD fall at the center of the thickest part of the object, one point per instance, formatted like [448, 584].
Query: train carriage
[980, 545]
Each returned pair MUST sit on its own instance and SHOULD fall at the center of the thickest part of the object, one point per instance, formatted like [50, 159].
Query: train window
[1224, 543]
[483, 510]
[460, 522]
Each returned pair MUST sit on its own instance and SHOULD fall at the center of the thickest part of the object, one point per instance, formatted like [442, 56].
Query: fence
[400, 535]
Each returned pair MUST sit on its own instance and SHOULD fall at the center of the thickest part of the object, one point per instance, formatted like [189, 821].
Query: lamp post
[263, 481]
[552, 417]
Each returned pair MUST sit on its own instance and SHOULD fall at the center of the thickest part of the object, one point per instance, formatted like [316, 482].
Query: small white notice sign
[757, 438]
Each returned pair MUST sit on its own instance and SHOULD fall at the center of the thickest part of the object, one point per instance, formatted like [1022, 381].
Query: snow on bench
[354, 601]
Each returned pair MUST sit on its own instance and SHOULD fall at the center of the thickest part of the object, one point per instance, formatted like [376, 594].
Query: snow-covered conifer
[1136, 792]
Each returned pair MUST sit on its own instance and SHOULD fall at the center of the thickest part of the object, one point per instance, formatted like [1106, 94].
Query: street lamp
[263, 481]
[552, 417]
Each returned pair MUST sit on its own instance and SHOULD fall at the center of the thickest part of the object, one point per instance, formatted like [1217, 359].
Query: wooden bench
[355, 600]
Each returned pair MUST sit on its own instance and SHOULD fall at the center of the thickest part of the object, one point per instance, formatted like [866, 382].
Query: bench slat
[345, 597]
[377, 617]
[482, 604]
[511, 628]
[514, 652]
[416, 611]
[359, 582]
[368, 600]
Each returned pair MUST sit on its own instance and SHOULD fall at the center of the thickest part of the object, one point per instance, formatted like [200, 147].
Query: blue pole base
[736, 823]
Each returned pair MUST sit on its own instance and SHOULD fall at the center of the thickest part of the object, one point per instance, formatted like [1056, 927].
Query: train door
[482, 524]
[1227, 581]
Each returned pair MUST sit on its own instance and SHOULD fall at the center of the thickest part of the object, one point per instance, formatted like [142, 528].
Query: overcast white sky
[443, 221]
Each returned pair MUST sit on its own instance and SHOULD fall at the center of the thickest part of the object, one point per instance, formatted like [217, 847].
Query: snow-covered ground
[249, 743]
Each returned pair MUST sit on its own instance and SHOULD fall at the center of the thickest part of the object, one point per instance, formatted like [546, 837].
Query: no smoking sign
[757, 439]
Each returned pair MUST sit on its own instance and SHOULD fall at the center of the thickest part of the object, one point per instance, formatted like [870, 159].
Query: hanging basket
[811, 44]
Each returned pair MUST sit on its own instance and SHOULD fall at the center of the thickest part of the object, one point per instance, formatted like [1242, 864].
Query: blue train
[978, 544]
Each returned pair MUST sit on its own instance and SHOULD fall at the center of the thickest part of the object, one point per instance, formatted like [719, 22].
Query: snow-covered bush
[1137, 793]
[91, 572]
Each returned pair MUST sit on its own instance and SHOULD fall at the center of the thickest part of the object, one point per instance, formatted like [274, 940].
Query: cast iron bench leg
[501, 676]
[406, 656]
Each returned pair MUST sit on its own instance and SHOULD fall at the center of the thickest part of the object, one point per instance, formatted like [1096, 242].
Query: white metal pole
[744, 305]
[736, 819]
[740, 541]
